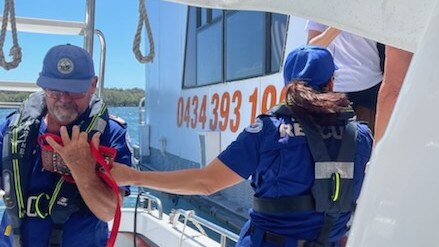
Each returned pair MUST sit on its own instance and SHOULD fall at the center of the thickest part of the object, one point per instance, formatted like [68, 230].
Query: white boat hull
[160, 231]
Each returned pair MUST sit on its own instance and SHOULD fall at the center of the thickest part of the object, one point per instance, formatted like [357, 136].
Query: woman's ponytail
[322, 107]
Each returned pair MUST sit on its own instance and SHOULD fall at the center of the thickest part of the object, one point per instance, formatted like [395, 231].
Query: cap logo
[65, 66]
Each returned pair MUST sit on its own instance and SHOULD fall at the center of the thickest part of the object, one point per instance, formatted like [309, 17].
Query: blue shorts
[365, 98]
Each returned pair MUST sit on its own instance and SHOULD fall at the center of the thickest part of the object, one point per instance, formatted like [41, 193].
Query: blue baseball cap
[67, 68]
[311, 64]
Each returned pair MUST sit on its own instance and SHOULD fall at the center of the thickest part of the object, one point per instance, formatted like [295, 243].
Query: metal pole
[89, 25]
[101, 80]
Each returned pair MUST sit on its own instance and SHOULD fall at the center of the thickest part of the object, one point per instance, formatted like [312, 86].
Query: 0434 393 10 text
[224, 111]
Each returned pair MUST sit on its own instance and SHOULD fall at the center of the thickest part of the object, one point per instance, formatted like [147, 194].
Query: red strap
[108, 152]
[104, 166]
[106, 176]
[44, 145]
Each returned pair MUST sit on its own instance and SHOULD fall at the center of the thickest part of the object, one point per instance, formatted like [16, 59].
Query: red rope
[103, 168]
[106, 176]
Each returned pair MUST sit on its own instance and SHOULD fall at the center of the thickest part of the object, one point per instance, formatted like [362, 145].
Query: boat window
[278, 31]
[209, 54]
[204, 17]
[245, 44]
[217, 13]
[190, 77]
[231, 45]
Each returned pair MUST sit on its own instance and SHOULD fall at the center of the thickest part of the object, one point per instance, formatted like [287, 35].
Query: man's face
[66, 107]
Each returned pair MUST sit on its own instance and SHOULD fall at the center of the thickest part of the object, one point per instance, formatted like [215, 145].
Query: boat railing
[189, 215]
[137, 147]
[143, 128]
[147, 201]
[150, 203]
[8, 105]
[141, 110]
[102, 57]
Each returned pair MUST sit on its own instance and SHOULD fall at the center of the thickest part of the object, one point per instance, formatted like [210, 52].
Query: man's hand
[76, 151]
[76, 154]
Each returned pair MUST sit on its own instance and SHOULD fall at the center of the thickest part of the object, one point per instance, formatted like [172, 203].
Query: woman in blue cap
[306, 159]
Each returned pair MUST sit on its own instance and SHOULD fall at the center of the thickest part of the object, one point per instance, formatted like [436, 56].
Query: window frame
[267, 70]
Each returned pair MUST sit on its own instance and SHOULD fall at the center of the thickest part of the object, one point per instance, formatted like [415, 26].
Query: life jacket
[332, 191]
[19, 147]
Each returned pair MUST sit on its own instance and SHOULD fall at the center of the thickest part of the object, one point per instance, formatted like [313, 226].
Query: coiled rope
[143, 19]
[15, 51]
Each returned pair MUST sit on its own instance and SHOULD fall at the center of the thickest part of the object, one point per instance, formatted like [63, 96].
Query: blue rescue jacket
[40, 203]
[274, 152]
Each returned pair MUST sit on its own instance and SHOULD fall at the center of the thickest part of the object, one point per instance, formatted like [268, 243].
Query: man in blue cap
[43, 207]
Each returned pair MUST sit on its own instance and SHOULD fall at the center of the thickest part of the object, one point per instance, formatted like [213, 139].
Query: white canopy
[400, 23]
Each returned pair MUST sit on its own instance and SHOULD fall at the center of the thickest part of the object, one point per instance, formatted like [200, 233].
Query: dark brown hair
[322, 107]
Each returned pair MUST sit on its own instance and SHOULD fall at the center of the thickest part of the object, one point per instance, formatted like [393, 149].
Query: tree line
[112, 96]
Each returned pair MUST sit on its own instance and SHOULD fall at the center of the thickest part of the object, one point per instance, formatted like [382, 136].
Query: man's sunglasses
[55, 94]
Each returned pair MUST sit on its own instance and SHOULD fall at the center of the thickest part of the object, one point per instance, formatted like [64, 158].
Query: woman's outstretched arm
[205, 181]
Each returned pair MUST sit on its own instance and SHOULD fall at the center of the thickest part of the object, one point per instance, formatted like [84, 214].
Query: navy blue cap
[311, 64]
[67, 68]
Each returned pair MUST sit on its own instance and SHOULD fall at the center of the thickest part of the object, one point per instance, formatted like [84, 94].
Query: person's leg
[365, 114]
[364, 104]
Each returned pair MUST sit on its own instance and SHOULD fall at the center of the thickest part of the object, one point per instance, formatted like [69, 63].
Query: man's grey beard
[64, 117]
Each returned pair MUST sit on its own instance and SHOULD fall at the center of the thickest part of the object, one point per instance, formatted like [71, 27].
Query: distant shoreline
[114, 97]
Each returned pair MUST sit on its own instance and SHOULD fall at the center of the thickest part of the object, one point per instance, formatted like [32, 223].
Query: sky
[117, 19]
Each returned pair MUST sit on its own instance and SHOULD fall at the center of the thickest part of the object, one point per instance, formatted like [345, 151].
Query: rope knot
[15, 51]
[143, 19]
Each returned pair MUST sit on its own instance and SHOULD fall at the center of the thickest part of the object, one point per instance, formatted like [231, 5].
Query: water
[4, 113]
[131, 116]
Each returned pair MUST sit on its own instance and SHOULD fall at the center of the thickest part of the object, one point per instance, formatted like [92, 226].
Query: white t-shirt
[357, 60]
